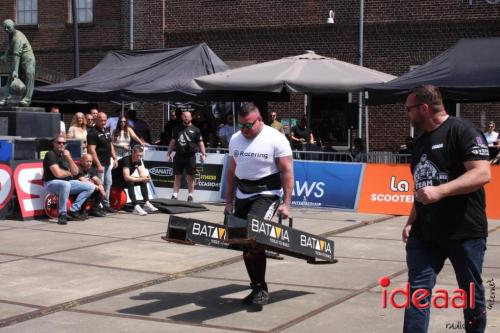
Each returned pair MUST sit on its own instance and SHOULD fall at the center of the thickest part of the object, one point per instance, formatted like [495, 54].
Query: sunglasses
[123, 121]
[61, 142]
[247, 125]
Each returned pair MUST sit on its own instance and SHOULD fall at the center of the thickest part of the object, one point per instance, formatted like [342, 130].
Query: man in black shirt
[448, 219]
[131, 173]
[186, 140]
[99, 145]
[87, 173]
[58, 171]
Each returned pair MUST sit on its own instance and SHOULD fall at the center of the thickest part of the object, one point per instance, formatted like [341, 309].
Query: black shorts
[184, 162]
[262, 206]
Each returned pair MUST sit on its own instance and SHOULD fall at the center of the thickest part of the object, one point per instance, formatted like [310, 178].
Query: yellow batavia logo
[315, 244]
[208, 231]
[270, 230]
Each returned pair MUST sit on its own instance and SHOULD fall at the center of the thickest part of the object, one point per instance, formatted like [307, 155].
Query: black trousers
[255, 256]
[131, 191]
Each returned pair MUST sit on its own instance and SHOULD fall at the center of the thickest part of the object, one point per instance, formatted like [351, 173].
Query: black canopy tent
[156, 75]
[469, 71]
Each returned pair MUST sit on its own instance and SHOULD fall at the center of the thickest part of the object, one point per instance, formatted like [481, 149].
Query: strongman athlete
[261, 170]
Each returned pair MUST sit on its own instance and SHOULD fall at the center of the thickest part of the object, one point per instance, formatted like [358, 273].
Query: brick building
[397, 34]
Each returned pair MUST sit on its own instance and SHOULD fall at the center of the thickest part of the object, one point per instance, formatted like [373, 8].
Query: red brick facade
[398, 34]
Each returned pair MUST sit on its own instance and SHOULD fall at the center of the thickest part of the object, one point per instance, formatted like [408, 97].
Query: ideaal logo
[208, 231]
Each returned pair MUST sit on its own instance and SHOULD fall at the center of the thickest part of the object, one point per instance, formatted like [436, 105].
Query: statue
[22, 62]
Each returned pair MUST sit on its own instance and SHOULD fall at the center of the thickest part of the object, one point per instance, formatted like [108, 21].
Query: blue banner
[326, 184]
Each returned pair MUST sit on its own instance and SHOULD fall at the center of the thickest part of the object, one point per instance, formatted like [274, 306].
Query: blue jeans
[64, 188]
[425, 260]
[107, 181]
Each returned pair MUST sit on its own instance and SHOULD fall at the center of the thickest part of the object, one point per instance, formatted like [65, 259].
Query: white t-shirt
[63, 127]
[491, 138]
[255, 158]
[226, 131]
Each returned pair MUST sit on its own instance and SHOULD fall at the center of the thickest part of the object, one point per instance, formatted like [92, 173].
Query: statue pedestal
[28, 122]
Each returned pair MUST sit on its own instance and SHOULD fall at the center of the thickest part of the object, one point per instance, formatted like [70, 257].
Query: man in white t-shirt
[261, 169]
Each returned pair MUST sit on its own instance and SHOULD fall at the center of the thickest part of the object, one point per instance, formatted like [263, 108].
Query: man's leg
[467, 257]
[83, 191]
[131, 192]
[425, 260]
[107, 182]
[191, 173]
[62, 189]
[28, 63]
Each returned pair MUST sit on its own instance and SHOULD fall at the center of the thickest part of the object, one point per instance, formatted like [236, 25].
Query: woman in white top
[122, 136]
[78, 129]
[491, 135]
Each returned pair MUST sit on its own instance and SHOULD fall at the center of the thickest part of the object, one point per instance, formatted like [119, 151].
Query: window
[27, 12]
[84, 11]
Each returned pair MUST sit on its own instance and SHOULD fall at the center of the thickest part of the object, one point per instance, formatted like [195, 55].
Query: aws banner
[324, 184]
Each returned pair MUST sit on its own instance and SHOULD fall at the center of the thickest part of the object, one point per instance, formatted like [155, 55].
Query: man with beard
[58, 171]
[186, 140]
[448, 218]
[88, 174]
[261, 169]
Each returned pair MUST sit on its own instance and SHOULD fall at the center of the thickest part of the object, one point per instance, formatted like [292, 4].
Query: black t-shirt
[50, 159]
[186, 139]
[438, 157]
[299, 133]
[125, 162]
[89, 174]
[102, 141]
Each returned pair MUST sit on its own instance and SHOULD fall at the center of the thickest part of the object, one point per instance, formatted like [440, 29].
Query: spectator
[407, 148]
[88, 174]
[274, 123]
[62, 129]
[58, 171]
[121, 138]
[168, 129]
[78, 129]
[89, 119]
[131, 173]
[186, 138]
[301, 136]
[141, 127]
[328, 150]
[94, 112]
[358, 150]
[226, 131]
[491, 135]
[207, 131]
[99, 145]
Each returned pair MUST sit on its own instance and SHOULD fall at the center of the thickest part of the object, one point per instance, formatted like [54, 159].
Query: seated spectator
[168, 129]
[88, 174]
[300, 136]
[226, 131]
[58, 171]
[89, 119]
[328, 150]
[122, 136]
[274, 123]
[123, 177]
[141, 127]
[78, 129]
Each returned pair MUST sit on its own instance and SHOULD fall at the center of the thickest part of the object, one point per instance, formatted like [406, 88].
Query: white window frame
[84, 11]
[26, 12]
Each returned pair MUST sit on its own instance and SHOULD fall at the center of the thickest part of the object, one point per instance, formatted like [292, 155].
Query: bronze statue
[22, 62]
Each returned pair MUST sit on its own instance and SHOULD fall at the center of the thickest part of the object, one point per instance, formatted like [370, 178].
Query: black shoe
[108, 209]
[74, 216]
[62, 219]
[97, 212]
[249, 299]
[261, 297]
[173, 197]
[84, 214]
[190, 198]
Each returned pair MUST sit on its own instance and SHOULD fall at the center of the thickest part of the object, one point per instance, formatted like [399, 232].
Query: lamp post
[76, 44]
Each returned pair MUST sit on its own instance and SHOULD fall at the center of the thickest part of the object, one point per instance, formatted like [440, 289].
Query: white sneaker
[139, 211]
[149, 208]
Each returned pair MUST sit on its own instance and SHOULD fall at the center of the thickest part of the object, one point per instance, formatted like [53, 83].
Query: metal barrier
[327, 156]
